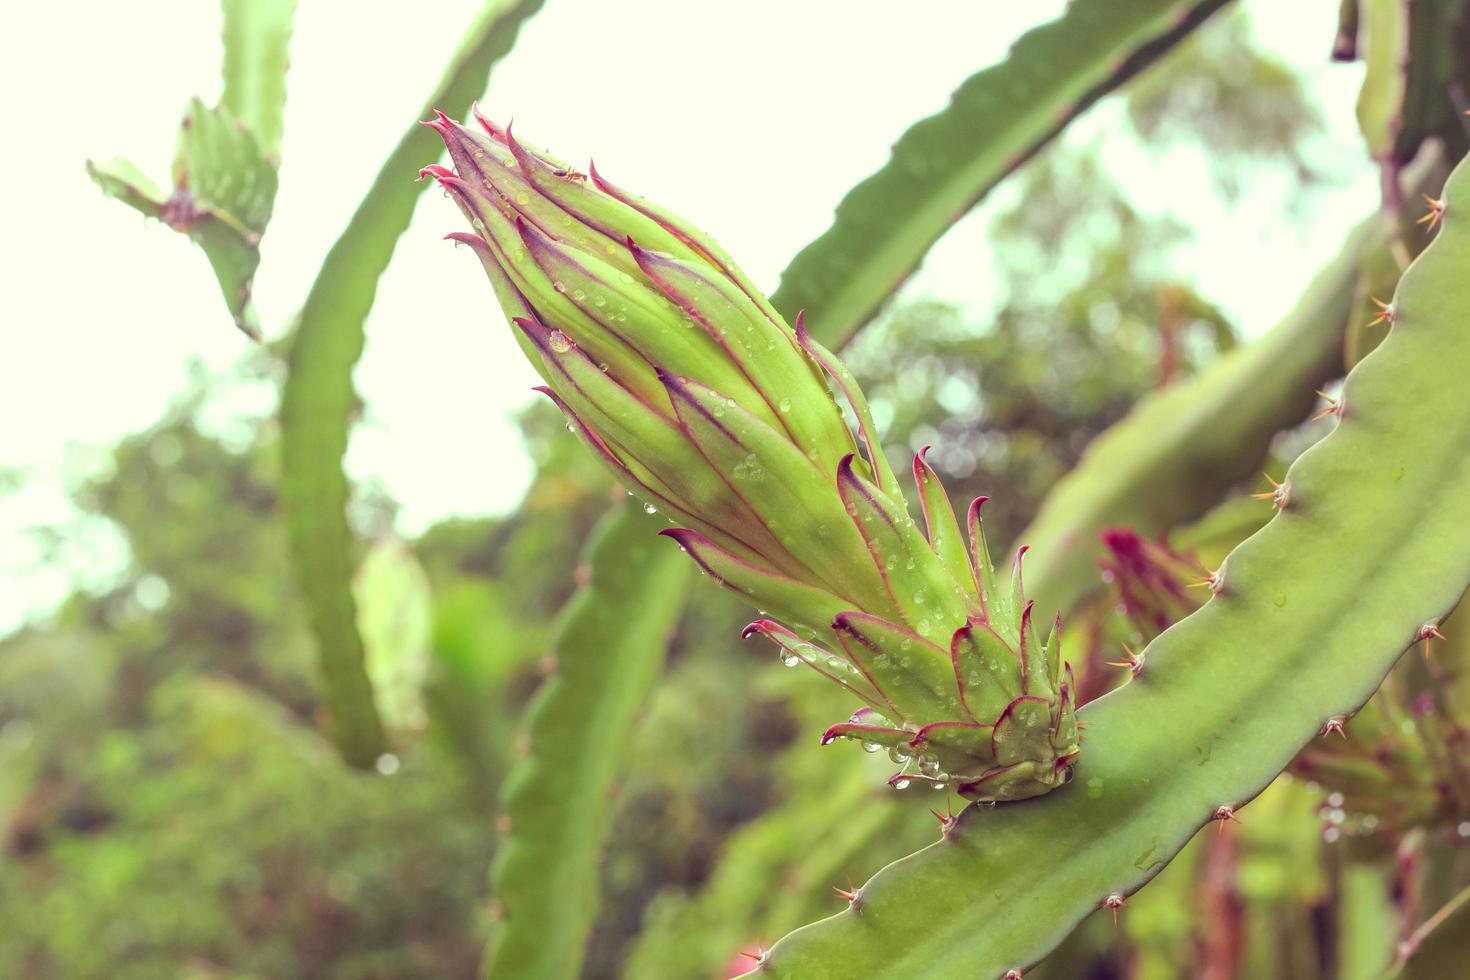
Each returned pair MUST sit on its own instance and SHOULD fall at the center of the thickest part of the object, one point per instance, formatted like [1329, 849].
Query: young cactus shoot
[680, 375]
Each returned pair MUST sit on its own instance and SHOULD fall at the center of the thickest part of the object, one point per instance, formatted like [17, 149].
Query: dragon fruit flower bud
[679, 374]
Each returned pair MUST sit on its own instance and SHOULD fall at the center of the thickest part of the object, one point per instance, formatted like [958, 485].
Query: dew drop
[559, 342]
[901, 784]
[650, 509]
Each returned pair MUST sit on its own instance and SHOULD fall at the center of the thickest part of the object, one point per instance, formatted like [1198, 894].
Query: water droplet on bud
[789, 659]
[560, 342]
[650, 509]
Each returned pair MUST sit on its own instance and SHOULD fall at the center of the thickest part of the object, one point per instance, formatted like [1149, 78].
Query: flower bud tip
[597, 179]
[976, 504]
[761, 626]
[687, 540]
[539, 335]
[465, 238]
[441, 123]
[485, 124]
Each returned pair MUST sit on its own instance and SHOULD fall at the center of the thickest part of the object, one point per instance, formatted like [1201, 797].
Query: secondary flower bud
[679, 374]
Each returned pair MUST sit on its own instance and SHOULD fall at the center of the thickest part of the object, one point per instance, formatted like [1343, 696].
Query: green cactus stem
[1310, 614]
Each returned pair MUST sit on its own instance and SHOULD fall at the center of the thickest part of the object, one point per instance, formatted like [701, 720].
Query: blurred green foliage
[167, 806]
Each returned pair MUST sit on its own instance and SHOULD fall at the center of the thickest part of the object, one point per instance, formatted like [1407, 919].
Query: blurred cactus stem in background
[680, 375]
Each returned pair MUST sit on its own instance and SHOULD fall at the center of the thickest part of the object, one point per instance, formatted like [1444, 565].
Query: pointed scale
[770, 359]
[945, 537]
[611, 218]
[697, 241]
[790, 494]
[931, 601]
[986, 671]
[643, 319]
[912, 671]
[795, 602]
[649, 444]
[877, 462]
[839, 669]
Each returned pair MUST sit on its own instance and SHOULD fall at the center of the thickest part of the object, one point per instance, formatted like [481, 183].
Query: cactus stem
[1224, 814]
[1433, 216]
[1279, 494]
[1114, 902]
[1336, 724]
[1386, 312]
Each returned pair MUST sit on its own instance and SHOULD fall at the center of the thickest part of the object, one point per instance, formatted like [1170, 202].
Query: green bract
[681, 376]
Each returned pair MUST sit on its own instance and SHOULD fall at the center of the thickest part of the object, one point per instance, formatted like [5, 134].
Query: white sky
[750, 120]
